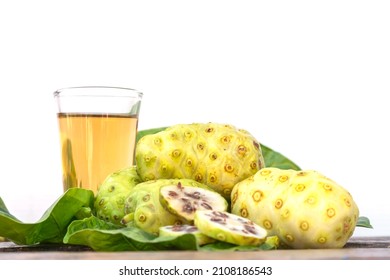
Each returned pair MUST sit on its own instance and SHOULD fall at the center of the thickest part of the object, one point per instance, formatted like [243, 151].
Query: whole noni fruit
[217, 155]
[304, 209]
[112, 193]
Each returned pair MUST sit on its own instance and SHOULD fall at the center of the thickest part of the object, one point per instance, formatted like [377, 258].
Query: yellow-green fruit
[179, 230]
[143, 207]
[229, 228]
[304, 209]
[112, 193]
[217, 155]
[185, 200]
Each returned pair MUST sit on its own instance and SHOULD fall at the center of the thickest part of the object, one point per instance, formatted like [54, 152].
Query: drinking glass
[98, 127]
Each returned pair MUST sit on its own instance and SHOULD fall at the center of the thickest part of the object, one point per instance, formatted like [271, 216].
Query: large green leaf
[52, 226]
[103, 236]
[271, 157]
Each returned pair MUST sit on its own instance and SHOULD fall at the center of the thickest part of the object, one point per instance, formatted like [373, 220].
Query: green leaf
[271, 157]
[103, 236]
[364, 222]
[52, 226]
[275, 159]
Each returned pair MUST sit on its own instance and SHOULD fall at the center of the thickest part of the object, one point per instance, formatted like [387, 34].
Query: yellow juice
[95, 145]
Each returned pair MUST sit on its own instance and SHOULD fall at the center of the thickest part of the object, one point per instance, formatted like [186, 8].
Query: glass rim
[97, 91]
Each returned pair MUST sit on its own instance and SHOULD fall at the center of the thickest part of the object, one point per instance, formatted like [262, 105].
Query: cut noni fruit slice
[178, 230]
[184, 200]
[229, 228]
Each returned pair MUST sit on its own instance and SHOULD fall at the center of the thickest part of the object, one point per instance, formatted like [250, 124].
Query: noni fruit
[304, 209]
[217, 155]
[229, 228]
[112, 193]
[185, 200]
[143, 207]
[178, 230]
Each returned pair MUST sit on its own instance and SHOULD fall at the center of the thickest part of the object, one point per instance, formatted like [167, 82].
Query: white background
[307, 78]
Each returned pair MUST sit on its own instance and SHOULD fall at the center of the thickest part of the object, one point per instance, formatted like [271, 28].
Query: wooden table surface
[363, 248]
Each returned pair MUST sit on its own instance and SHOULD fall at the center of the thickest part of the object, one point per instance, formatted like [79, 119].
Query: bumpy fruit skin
[144, 209]
[185, 200]
[111, 195]
[178, 230]
[304, 209]
[229, 228]
[217, 155]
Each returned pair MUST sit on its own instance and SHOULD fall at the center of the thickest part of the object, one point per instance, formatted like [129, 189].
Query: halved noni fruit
[184, 200]
[229, 228]
[178, 230]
